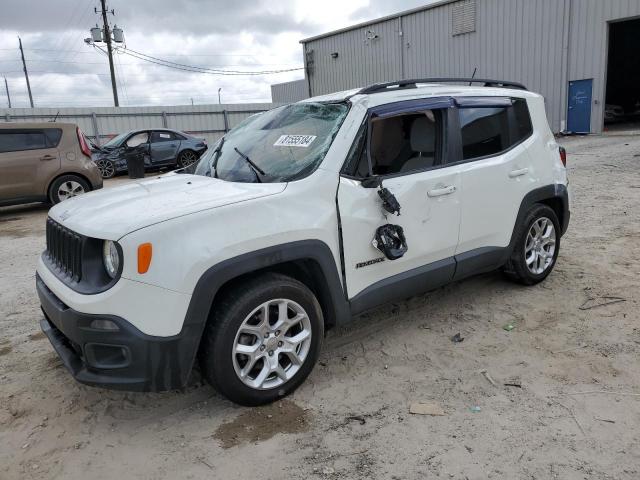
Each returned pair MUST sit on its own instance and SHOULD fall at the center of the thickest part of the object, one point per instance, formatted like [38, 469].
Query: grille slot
[64, 250]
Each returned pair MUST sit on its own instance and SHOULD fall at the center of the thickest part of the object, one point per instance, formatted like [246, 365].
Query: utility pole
[107, 35]
[26, 74]
[6, 86]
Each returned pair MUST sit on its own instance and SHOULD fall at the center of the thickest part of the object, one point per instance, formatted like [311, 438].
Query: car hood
[112, 213]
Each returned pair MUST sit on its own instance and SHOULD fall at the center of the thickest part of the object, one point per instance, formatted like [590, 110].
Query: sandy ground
[351, 418]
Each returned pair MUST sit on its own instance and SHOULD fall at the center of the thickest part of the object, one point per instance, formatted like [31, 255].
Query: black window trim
[452, 133]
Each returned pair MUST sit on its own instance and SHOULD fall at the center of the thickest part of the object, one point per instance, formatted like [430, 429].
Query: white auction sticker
[295, 141]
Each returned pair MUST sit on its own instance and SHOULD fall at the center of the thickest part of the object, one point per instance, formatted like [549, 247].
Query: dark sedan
[160, 147]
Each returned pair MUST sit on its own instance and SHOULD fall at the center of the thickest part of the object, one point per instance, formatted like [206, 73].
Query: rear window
[487, 131]
[157, 137]
[484, 131]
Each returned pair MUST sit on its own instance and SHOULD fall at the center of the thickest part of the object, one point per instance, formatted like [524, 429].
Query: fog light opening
[104, 325]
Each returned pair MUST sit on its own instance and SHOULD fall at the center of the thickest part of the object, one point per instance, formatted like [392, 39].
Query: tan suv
[44, 162]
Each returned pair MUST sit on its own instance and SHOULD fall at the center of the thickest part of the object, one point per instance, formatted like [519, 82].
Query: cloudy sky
[239, 35]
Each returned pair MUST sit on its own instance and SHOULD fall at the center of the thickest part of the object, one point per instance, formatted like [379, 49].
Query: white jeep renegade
[297, 220]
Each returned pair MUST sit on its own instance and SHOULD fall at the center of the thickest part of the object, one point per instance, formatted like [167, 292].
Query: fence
[102, 123]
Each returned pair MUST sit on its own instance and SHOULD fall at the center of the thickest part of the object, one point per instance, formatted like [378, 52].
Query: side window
[53, 136]
[12, 141]
[522, 119]
[488, 131]
[484, 131]
[157, 137]
[402, 144]
[138, 139]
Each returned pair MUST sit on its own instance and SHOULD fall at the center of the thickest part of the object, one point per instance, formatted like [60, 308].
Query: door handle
[47, 157]
[518, 173]
[438, 192]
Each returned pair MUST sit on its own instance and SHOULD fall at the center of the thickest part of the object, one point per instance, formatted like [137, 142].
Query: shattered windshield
[281, 145]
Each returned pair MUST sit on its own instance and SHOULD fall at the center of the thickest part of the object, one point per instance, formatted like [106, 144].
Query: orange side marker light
[145, 251]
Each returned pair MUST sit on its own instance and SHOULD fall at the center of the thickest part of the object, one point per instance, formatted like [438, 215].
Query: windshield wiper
[214, 163]
[256, 169]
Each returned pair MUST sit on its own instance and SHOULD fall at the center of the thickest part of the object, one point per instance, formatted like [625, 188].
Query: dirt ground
[574, 414]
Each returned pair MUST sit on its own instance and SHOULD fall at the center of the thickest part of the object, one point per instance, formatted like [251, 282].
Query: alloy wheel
[188, 158]
[107, 169]
[69, 189]
[272, 344]
[540, 246]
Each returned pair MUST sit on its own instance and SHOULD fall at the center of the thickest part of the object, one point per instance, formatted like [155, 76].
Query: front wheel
[536, 248]
[262, 340]
[107, 168]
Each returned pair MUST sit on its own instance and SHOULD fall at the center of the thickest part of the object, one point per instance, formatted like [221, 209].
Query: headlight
[111, 258]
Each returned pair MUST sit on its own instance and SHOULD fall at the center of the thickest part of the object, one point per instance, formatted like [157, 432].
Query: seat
[423, 143]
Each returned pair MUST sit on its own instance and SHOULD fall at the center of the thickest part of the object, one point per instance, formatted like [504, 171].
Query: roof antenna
[474, 75]
[56, 117]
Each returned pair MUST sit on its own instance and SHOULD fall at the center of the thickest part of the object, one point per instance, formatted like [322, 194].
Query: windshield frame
[212, 156]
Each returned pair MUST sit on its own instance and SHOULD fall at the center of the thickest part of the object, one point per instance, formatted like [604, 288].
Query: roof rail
[382, 87]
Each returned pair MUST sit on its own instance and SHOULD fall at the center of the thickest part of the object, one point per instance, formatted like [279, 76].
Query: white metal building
[579, 54]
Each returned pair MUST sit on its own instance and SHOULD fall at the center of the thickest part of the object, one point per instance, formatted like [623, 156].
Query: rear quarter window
[522, 119]
[53, 136]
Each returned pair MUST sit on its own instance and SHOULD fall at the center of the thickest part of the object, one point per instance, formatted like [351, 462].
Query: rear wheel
[186, 158]
[262, 340]
[537, 246]
[67, 186]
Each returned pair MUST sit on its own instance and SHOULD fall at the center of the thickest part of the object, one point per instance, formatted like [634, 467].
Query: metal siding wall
[289, 92]
[360, 61]
[588, 51]
[519, 40]
[206, 121]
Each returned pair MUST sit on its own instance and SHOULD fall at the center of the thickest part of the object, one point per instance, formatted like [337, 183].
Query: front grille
[64, 250]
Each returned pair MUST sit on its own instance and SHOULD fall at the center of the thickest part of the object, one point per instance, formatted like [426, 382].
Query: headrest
[423, 135]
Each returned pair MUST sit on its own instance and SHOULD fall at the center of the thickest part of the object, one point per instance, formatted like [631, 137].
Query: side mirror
[373, 181]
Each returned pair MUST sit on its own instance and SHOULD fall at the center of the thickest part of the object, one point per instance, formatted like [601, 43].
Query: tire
[535, 254]
[73, 185]
[187, 158]
[107, 168]
[244, 306]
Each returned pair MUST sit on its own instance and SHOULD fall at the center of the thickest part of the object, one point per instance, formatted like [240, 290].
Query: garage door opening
[622, 106]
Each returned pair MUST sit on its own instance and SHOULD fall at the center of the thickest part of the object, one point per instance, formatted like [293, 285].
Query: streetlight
[219, 102]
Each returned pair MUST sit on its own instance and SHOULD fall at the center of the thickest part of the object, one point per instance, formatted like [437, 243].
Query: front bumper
[122, 358]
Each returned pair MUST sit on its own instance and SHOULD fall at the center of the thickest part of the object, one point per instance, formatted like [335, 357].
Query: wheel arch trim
[215, 277]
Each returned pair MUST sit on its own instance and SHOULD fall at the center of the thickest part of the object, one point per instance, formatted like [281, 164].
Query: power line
[196, 69]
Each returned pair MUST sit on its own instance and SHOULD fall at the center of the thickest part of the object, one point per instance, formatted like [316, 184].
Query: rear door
[407, 153]
[164, 147]
[495, 135]
[28, 157]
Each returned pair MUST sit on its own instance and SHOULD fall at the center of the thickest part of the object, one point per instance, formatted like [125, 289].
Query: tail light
[84, 147]
[563, 156]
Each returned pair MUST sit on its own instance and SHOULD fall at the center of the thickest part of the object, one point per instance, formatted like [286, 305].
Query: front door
[579, 115]
[164, 147]
[407, 154]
